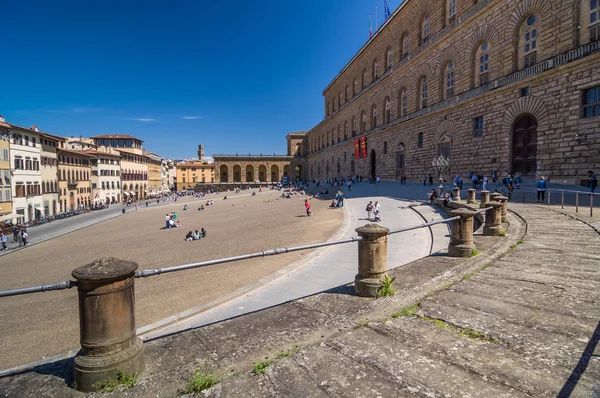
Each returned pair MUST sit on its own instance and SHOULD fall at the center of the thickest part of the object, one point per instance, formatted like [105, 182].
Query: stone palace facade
[510, 85]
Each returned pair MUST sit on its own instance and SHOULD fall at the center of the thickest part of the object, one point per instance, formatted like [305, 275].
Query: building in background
[49, 165]
[105, 176]
[154, 174]
[5, 173]
[80, 144]
[74, 175]
[191, 172]
[25, 153]
[134, 165]
[167, 169]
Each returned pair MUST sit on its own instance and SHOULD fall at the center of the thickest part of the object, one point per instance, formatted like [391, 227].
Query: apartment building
[49, 169]
[25, 154]
[5, 173]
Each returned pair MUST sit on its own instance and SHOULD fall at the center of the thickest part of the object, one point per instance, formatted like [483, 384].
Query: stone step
[590, 287]
[494, 362]
[245, 385]
[421, 373]
[337, 375]
[522, 314]
[552, 300]
[530, 342]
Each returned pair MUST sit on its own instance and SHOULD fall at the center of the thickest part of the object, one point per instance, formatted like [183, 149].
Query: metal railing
[158, 271]
[548, 197]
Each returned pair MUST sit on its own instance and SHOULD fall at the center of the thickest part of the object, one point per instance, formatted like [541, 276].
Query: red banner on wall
[356, 149]
[363, 147]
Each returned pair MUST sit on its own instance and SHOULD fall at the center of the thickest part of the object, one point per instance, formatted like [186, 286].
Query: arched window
[327, 109]
[388, 59]
[482, 64]
[448, 79]
[451, 11]
[364, 79]
[375, 70]
[339, 138]
[363, 121]
[354, 87]
[528, 41]
[404, 45]
[402, 102]
[388, 110]
[400, 158]
[345, 130]
[346, 94]
[425, 29]
[424, 92]
[333, 105]
[353, 127]
[374, 116]
[339, 99]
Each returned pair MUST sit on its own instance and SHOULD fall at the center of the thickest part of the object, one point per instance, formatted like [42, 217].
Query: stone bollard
[106, 323]
[461, 241]
[456, 193]
[485, 197]
[494, 195]
[493, 220]
[372, 259]
[504, 201]
[471, 198]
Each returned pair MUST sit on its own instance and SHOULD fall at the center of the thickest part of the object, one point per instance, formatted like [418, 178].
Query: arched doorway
[237, 173]
[223, 172]
[249, 173]
[373, 159]
[286, 171]
[524, 145]
[54, 207]
[262, 173]
[400, 159]
[299, 174]
[274, 173]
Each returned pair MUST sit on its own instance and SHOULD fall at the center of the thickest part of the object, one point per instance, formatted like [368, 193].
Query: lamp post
[440, 164]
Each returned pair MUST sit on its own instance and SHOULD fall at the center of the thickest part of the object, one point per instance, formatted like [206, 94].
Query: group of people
[20, 236]
[196, 235]
[374, 211]
[170, 220]
[338, 202]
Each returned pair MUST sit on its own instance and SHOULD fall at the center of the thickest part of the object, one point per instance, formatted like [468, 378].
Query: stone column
[461, 241]
[372, 259]
[106, 323]
[493, 219]
[456, 193]
[504, 201]
[471, 198]
[485, 197]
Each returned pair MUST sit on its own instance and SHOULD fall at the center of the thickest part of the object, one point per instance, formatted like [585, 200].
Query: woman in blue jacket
[541, 189]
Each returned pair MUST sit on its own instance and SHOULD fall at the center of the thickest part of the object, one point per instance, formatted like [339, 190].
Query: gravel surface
[43, 324]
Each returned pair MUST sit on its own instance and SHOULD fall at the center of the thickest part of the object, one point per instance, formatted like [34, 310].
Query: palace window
[403, 100]
[405, 46]
[400, 157]
[384, 147]
[425, 29]
[451, 11]
[363, 121]
[364, 79]
[375, 70]
[529, 40]
[478, 127]
[594, 20]
[591, 102]
[449, 79]
[420, 140]
[345, 130]
[389, 60]
[483, 63]
[374, 116]
[424, 92]
[388, 110]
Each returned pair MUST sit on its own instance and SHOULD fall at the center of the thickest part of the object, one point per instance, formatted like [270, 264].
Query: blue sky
[234, 75]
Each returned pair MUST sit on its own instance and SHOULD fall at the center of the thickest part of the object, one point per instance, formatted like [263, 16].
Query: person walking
[376, 208]
[430, 179]
[474, 179]
[25, 237]
[3, 240]
[592, 181]
[485, 183]
[541, 189]
[370, 210]
[425, 180]
[307, 205]
[15, 234]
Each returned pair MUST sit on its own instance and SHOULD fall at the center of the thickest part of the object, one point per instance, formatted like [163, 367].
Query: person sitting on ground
[333, 205]
[178, 225]
[196, 235]
[189, 236]
[432, 196]
[203, 232]
[225, 197]
[201, 208]
[171, 223]
[173, 215]
[253, 193]
[377, 214]
[185, 207]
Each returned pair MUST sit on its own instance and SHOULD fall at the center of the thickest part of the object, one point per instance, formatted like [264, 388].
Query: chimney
[34, 128]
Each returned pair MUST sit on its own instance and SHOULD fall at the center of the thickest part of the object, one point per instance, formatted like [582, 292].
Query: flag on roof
[386, 10]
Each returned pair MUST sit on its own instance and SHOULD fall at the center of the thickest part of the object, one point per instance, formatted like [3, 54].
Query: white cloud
[192, 117]
[143, 119]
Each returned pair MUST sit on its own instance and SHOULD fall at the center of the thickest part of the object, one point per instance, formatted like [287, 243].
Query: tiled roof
[117, 136]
